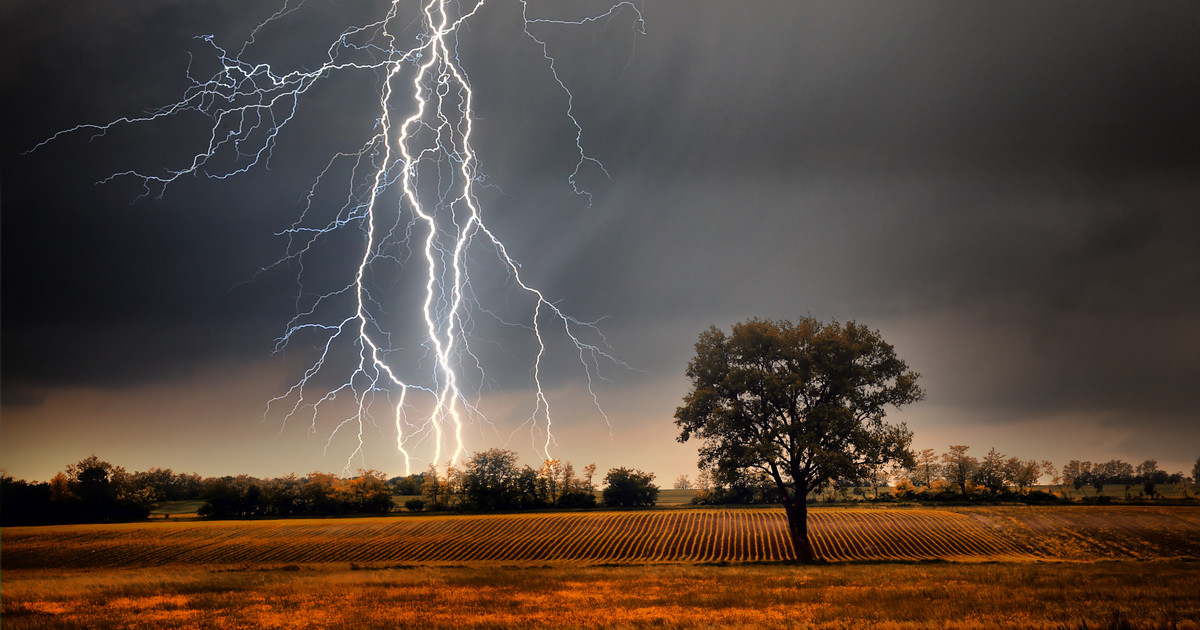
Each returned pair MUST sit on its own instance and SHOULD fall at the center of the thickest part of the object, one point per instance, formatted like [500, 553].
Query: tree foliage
[491, 481]
[1023, 473]
[990, 473]
[958, 468]
[625, 487]
[1077, 474]
[926, 469]
[319, 493]
[802, 403]
[1150, 476]
[89, 491]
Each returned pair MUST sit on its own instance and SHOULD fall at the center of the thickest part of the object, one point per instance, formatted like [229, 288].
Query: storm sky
[1008, 192]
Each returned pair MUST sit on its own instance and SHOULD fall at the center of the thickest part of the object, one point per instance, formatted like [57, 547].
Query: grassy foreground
[945, 595]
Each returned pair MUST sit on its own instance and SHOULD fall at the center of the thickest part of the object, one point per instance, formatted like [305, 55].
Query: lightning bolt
[413, 203]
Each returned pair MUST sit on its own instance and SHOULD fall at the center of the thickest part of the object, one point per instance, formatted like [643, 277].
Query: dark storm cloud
[1017, 182]
[99, 285]
[865, 85]
[1020, 178]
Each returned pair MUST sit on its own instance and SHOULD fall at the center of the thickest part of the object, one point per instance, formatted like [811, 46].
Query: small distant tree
[437, 489]
[589, 473]
[625, 487]
[883, 475]
[285, 496]
[369, 492]
[550, 480]
[990, 472]
[189, 485]
[1123, 473]
[1050, 471]
[1101, 473]
[25, 503]
[958, 468]
[105, 492]
[926, 468]
[704, 488]
[1077, 474]
[1022, 474]
[1113, 472]
[324, 494]
[156, 484]
[905, 489]
[682, 483]
[576, 492]
[60, 489]
[408, 485]
[490, 481]
[529, 490]
[1195, 476]
[1149, 475]
[233, 497]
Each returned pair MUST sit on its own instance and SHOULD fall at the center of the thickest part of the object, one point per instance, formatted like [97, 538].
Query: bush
[1039, 496]
[629, 488]
[414, 505]
[577, 499]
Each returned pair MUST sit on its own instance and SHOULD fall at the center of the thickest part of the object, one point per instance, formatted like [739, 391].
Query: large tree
[803, 403]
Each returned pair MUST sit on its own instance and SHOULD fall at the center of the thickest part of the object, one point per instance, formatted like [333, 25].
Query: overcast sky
[1007, 191]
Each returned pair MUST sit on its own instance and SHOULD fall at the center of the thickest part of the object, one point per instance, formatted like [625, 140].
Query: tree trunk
[797, 515]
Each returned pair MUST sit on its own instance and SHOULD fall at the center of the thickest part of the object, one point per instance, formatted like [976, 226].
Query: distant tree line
[318, 494]
[492, 480]
[95, 491]
[1146, 476]
[955, 476]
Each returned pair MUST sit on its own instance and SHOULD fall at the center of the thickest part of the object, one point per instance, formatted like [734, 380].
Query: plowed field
[667, 536]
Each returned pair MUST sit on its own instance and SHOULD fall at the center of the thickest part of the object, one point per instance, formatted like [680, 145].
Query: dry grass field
[1044, 567]
[940, 595]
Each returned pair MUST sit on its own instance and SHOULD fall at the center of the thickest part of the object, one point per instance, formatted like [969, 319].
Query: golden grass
[959, 595]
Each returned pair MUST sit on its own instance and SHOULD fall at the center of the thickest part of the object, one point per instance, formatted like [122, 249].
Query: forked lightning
[412, 193]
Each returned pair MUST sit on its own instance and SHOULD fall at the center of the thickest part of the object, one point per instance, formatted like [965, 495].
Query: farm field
[977, 567]
[1077, 533]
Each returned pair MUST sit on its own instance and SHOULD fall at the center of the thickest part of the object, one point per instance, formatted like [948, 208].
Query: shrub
[1039, 496]
[577, 499]
[629, 488]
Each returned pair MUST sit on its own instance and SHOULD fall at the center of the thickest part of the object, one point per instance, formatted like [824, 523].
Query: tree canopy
[624, 487]
[802, 403]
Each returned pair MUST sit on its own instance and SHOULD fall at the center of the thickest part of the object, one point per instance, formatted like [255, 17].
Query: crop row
[591, 537]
